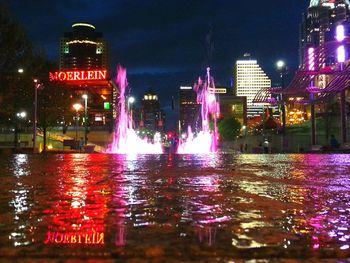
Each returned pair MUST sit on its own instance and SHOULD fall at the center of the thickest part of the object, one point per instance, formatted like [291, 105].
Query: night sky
[165, 44]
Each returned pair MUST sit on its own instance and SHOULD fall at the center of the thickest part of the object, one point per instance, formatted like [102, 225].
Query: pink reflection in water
[204, 141]
[126, 140]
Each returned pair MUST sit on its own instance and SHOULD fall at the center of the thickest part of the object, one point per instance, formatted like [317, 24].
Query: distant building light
[246, 62]
[185, 88]
[83, 24]
[107, 105]
[311, 58]
[341, 54]
[340, 33]
[81, 42]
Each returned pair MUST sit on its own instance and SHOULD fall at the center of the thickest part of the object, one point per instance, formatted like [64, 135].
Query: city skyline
[165, 45]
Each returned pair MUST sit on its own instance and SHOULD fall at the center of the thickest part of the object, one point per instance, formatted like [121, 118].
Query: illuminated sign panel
[80, 75]
[107, 105]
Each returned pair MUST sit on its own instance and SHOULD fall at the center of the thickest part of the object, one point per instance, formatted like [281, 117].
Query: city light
[311, 59]
[85, 96]
[280, 64]
[78, 75]
[131, 100]
[341, 54]
[77, 106]
[340, 33]
[22, 114]
[20, 70]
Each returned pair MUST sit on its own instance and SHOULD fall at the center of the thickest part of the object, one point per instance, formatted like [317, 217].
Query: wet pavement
[173, 208]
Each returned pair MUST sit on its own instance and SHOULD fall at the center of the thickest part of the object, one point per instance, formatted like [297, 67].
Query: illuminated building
[231, 105]
[84, 70]
[249, 80]
[84, 48]
[190, 110]
[152, 117]
[318, 27]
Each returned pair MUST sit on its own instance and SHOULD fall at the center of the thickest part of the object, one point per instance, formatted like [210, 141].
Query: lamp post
[131, 100]
[85, 97]
[282, 69]
[77, 107]
[36, 87]
[20, 71]
[20, 116]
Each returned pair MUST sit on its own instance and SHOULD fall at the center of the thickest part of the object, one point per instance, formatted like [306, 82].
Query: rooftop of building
[328, 3]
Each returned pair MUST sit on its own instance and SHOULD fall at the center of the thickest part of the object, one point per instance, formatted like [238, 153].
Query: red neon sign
[78, 75]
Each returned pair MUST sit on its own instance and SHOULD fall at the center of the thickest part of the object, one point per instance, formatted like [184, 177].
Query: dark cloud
[163, 43]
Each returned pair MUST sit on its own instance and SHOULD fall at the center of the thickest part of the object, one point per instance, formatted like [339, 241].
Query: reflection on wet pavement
[173, 207]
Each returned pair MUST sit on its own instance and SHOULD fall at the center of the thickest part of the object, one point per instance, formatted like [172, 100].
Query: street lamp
[282, 69]
[77, 107]
[131, 100]
[85, 97]
[20, 70]
[20, 116]
[37, 85]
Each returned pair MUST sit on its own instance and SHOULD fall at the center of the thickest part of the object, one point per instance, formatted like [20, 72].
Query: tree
[54, 100]
[16, 52]
[229, 129]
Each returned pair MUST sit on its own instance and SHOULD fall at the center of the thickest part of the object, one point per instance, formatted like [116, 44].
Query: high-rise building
[84, 70]
[83, 48]
[190, 110]
[249, 80]
[231, 106]
[318, 27]
[152, 117]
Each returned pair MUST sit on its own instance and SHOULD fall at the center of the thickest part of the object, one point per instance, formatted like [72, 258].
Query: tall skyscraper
[249, 80]
[318, 26]
[152, 117]
[190, 110]
[84, 70]
[83, 48]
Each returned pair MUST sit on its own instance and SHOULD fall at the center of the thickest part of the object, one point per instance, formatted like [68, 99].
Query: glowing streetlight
[280, 64]
[131, 100]
[77, 107]
[85, 97]
[20, 70]
[282, 69]
[37, 86]
[20, 116]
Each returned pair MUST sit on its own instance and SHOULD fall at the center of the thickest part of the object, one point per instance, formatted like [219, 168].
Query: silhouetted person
[334, 143]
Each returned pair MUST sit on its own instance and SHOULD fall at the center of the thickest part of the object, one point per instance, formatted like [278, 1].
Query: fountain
[126, 140]
[205, 141]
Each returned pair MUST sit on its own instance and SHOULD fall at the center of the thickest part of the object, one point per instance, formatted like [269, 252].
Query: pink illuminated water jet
[206, 140]
[126, 140]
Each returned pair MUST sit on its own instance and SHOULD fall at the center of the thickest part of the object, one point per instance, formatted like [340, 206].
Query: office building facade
[249, 80]
[190, 110]
[152, 117]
